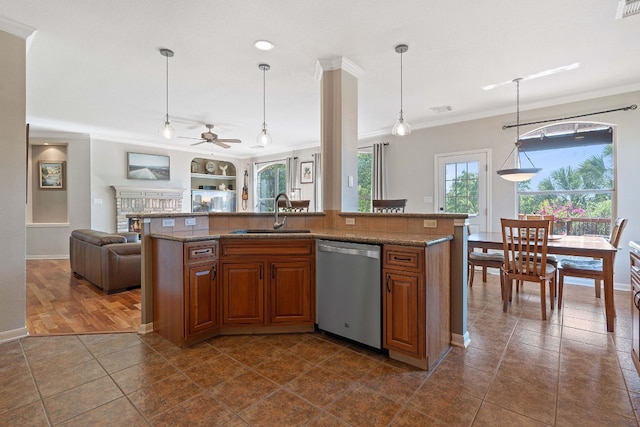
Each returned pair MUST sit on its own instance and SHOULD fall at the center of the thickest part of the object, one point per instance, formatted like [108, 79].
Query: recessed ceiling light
[263, 45]
[536, 75]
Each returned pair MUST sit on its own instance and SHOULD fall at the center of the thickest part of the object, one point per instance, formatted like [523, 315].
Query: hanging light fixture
[518, 173]
[401, 127]
[264, 138]
[167, 130]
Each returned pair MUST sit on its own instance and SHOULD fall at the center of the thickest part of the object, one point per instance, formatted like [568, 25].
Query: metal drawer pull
[388, 289]
[202, 251]
[636, 300]
[397, 258]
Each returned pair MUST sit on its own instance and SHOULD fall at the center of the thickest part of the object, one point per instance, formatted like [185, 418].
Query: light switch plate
[189, 221]
[350, 221]
[168, 222]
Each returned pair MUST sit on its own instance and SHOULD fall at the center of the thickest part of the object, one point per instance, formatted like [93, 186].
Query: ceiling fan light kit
[518, 173]
[167, 130]
[401, 127]
[263, 139]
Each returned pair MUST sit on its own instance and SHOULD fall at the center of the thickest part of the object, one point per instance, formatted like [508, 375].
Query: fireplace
[141, 200]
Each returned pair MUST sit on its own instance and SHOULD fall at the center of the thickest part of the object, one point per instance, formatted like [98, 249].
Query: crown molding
[337, 63]
[16, 28]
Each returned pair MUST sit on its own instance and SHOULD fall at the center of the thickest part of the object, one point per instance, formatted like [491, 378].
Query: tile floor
[518, 371]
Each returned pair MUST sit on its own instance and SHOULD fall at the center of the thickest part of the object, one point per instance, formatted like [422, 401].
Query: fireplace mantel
[145, 200]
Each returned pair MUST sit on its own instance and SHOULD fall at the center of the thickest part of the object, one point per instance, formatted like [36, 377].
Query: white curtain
[292, 167]
[378, 174]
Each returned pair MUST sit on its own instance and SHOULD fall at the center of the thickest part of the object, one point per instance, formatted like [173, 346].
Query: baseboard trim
[462, 341]
[13, 335]
[145, 328]
[36, 257]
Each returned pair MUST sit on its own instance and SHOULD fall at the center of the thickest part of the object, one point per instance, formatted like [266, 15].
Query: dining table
[582, 246]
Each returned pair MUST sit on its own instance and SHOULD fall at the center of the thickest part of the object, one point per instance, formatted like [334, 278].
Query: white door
[462, 186]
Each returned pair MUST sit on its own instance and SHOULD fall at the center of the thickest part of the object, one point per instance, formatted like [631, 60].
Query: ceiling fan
[211, 137]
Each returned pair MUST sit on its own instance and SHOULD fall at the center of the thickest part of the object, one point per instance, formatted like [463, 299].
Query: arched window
[576, 183]
[271, 179]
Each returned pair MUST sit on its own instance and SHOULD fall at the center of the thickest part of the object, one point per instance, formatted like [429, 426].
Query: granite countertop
[371, 237]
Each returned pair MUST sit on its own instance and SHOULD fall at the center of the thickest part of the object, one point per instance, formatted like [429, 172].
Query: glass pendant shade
[263, 137]
[167, 130]
[401, 127]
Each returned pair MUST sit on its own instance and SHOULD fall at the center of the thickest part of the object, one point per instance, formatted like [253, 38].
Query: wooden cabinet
[185, 290]
[268, 282]
[242, 293]
[403, 300]
[415, 304]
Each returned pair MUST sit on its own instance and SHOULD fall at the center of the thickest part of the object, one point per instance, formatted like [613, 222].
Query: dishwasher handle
[370, 253]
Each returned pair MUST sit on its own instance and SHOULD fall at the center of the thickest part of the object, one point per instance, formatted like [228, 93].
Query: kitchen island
[215, 281]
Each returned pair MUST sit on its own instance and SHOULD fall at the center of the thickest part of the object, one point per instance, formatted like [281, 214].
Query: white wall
[109, 168]
[410, 160]
[51, 240]
[12, 176]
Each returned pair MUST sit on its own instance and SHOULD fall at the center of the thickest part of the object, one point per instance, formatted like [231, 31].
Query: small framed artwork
[306, 172]
[51, 174]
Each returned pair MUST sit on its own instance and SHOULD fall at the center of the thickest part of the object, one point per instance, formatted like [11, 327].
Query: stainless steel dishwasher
[349, 298]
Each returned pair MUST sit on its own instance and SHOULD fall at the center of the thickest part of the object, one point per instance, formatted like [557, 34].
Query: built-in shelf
[209, 176]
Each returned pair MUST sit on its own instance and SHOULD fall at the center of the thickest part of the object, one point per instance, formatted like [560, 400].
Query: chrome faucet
[277, 224]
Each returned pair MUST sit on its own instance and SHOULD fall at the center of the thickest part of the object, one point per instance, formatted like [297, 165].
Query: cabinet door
[243, 293]
[290, 299]
[202, 298]
[401, 312]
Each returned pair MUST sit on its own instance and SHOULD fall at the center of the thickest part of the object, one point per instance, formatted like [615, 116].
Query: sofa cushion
[97, 238]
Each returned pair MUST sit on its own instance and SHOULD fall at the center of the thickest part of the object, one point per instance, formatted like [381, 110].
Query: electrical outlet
[428, 199]
[189, 221]
[350, 221]
[168, 222]
[430, 223]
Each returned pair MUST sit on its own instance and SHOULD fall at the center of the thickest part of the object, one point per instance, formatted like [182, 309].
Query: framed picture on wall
[147, 166]
[51, 174]
[306, 172]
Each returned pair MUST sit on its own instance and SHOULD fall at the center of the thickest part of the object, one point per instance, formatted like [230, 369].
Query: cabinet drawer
[196, 252]
[268, 247]
[407, 258]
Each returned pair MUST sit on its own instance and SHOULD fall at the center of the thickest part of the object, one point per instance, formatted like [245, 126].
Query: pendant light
[518, 173]
[263, 137]
[167, 130]
[401, 127]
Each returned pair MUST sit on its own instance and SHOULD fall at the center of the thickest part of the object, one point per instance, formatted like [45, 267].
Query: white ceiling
[94, 66]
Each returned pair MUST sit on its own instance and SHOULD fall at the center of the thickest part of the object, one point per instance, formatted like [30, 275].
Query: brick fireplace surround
[141, 200]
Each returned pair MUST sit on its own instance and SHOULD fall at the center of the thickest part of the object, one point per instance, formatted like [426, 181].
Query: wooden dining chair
[551, 259]
[485, 260]
[588, 268]
[389, 205]
[525, 252]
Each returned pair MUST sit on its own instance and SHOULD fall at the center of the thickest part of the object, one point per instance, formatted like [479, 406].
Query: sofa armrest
[121, 266]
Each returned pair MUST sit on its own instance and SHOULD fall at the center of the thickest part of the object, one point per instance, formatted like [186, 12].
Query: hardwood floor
[59, 303]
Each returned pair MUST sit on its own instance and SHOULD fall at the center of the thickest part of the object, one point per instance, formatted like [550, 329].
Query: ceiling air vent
[627, 8]
[441, 109]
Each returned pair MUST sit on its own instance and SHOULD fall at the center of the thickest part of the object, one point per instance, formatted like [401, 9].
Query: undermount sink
[267, 231]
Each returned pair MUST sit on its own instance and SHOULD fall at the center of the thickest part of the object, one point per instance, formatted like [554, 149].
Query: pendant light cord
[167, 87]
[264, 98]
[401, 112]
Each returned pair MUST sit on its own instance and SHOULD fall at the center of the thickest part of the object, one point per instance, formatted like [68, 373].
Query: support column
[339, 134]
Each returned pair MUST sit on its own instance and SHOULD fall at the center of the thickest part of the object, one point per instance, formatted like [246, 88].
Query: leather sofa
[109, 261]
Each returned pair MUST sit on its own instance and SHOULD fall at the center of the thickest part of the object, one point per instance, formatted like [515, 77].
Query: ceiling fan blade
[198, 143]
[187, 137]
[237, 141]
[221, 144]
